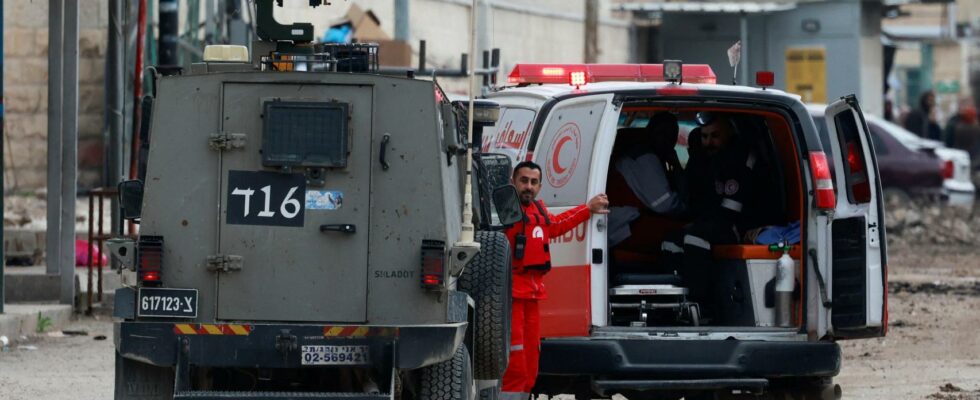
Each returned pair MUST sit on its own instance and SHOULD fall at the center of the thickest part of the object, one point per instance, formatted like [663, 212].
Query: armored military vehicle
[301, 233]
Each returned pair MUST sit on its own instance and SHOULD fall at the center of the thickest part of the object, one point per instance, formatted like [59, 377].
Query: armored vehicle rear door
[294, 202]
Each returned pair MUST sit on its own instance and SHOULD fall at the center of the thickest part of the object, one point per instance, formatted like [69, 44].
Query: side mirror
[131, 198]
[508, 205]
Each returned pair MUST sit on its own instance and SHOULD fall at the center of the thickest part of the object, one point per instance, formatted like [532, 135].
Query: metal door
[858, 275]
[294, 202]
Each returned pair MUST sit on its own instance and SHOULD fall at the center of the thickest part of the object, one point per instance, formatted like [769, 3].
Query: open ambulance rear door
[858, 270]
[573, 132]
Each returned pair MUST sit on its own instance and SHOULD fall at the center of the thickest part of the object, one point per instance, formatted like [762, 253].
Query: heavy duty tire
[449, 380]
[487, 281]
[136, 380]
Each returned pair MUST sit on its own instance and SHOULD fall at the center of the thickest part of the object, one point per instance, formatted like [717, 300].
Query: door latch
[224, 263]
[226, 141]
[343, 228]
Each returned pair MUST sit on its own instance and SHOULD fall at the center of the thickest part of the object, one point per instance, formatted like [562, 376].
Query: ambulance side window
[564, 152]
[510, 134]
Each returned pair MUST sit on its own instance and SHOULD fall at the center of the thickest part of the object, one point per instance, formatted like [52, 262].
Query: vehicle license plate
[167, 303]
[335, 355]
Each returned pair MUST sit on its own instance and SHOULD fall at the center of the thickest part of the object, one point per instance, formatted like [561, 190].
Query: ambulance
[607, 331]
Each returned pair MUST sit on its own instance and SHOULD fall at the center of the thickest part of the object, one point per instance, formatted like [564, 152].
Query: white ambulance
[643, 337]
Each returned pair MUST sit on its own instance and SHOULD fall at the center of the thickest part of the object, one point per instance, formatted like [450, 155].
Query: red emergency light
[765, 79]
[524, 74]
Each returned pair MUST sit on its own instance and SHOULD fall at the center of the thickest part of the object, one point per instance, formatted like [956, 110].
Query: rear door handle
[343, 228]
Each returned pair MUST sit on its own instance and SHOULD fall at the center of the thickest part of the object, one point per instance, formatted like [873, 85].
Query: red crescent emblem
[554, 160]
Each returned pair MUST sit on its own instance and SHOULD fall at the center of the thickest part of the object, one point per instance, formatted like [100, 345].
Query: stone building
[25, 53]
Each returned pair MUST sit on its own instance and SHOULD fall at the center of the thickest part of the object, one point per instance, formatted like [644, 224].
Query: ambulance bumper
[630, 359]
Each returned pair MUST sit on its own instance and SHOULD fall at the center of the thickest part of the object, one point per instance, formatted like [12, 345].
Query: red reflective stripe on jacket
[529, 271]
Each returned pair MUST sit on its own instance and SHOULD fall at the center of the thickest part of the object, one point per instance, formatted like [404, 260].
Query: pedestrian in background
[922, 120]
[889, 111]
[966, 131]
[949, 131]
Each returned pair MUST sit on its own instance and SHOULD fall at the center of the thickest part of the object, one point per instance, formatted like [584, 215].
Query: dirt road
[60, 368]
[932, 350]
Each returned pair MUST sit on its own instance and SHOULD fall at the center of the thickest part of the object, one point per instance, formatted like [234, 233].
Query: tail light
[826, 200]
[858, 179]
[150, 253]
[948, 168]
[433, 264]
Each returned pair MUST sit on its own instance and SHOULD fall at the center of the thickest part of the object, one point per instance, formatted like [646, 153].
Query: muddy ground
[932, 350]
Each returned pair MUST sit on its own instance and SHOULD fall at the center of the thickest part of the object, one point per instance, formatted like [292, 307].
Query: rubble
[927, 222]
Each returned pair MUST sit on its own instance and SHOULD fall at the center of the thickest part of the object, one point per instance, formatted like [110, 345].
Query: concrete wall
[849, 31]
[525, 31]
[25, 52]
[539, 31]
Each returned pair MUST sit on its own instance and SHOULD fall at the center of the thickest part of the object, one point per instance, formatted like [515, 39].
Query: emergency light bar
[580, 74]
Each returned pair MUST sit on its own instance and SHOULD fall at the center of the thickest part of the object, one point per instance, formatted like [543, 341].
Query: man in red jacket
[530, 261]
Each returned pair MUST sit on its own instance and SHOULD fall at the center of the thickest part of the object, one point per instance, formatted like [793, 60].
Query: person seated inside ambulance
[726, 182]
[646, 186]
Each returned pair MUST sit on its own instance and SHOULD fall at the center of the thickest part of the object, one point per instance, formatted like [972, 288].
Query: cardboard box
[395, 53]
[367, 27]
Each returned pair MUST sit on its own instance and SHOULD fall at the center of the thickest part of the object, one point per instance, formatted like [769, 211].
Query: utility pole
[115, 95]
[591, 31]
[402, 20]
[62, 143]
[69, 150]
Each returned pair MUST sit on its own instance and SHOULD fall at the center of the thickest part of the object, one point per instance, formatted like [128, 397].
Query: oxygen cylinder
[785, 283]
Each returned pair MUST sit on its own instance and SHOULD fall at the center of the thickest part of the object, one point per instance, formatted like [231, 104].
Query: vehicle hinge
[224, 263]
[226, 141]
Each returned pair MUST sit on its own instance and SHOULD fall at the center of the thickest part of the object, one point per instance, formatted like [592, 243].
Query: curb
[22, 319]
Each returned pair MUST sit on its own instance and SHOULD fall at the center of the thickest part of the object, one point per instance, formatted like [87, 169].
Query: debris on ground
[950, 391]
[925, 222]
[937, 288]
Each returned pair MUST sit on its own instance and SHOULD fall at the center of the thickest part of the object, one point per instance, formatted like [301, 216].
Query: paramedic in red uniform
[530, 262]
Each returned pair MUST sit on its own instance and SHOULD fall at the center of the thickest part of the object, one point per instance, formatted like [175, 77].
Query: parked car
[957, 184]
[909, 165]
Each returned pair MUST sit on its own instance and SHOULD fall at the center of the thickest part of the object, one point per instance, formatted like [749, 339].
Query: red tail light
[948, 168]
[826, 200]
[433, 264]
[150, 253]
